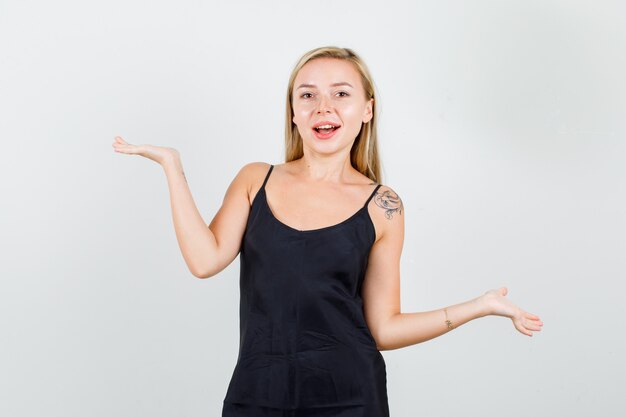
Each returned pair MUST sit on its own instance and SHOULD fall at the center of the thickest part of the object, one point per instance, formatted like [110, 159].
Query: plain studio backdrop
[502, 128]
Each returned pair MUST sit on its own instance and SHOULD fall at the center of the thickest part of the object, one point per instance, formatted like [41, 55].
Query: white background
[502, 128]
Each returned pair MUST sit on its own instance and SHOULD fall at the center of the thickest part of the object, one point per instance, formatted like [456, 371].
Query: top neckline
[319, 229]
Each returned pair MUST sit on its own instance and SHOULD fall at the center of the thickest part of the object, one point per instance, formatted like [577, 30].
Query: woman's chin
[326, 147]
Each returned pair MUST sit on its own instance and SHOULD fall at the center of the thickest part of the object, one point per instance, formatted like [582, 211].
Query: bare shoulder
[251, 176]
[388, 201]
[253, 169]
[387, 213]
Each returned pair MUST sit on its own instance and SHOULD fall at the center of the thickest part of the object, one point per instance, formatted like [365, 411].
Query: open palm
[499, 305]
[158, 154]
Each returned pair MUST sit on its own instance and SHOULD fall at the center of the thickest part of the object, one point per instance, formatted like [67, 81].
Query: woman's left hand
[498, 305]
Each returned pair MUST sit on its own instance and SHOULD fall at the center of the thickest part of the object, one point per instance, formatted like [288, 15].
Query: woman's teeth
[326, 128]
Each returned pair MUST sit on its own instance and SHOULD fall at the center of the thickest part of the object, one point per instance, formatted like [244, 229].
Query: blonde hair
[364, 153]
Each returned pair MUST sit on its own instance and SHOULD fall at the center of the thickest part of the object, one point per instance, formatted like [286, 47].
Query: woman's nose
[324, 106]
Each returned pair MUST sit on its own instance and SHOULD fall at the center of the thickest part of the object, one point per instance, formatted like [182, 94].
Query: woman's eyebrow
[332, 85]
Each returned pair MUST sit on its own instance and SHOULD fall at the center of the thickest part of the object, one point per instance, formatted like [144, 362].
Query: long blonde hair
[364, 153]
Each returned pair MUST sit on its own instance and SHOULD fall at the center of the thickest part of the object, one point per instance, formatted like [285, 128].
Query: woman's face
[329, 91]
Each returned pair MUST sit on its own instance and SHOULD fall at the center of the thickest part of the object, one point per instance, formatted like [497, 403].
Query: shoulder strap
[372, 195]
[267, 176]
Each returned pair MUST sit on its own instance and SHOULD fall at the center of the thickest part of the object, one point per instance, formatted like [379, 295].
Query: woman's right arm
[207, 250]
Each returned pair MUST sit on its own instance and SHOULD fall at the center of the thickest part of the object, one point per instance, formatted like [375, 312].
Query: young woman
[319, 239]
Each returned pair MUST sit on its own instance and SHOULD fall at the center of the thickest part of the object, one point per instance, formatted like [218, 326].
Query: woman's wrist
[482, 305]
[172, 163]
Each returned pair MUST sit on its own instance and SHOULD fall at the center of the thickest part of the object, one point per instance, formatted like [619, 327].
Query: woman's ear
[369, 113]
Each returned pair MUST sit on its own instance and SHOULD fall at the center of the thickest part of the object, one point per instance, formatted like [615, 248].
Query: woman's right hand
[159, 154]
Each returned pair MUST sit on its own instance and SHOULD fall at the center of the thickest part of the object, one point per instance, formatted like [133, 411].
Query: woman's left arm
[393, 329]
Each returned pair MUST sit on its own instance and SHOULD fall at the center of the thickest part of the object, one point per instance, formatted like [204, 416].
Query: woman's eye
[306, 95]
[343, 92]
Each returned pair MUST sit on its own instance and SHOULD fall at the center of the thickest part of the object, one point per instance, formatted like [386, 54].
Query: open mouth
[326, 129]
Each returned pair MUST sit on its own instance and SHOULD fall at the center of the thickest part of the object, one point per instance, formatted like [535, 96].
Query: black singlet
[304, 342]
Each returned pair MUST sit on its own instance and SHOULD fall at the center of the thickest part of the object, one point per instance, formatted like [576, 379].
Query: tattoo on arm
[389, 201]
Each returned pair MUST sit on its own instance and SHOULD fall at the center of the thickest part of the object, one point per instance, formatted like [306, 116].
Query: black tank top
[304, 341]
